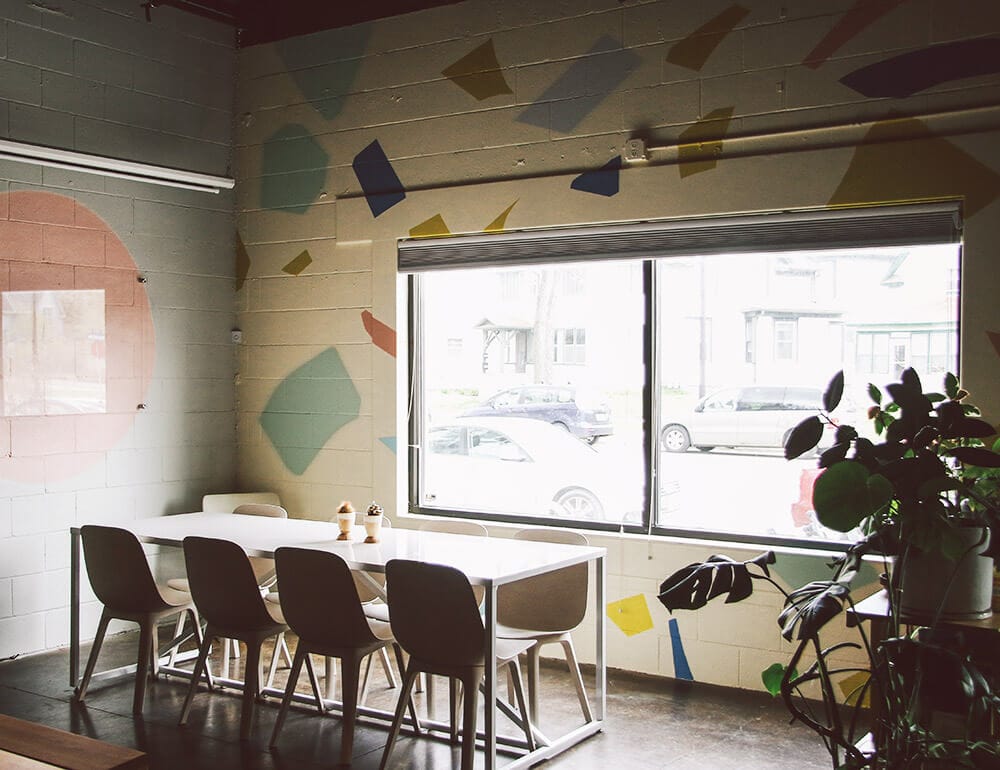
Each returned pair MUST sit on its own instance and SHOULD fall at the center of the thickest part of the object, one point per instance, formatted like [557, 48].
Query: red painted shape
[863, 14]
[383, 336]
[995, 339]
[52, 242]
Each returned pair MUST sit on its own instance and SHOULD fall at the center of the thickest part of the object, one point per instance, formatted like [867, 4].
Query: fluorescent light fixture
[121, 169]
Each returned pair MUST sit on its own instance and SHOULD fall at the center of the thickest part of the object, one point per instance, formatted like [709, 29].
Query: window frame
[651, 381]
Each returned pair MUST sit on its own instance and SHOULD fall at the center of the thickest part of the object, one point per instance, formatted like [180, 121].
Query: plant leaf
[951, 385]
[811, 607]
[804, 437]
[874, 393]
[691, 587]
[834, 392]
[969, 427]
[772, 676]
[843, 495]
[974, 455]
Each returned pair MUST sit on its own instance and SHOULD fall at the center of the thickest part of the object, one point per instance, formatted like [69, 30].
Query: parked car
[752, 416]
[513, 465]
[586, 416]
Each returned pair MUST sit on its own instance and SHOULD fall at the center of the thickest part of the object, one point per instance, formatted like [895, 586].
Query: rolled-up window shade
[902, 225]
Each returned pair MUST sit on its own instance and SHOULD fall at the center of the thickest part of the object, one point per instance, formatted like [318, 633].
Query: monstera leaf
[691, 587]
[810, 608]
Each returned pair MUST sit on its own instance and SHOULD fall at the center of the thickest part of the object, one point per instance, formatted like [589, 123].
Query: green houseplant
[919, 486]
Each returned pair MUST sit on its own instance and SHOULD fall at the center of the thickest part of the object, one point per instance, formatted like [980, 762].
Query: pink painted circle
[52, 243]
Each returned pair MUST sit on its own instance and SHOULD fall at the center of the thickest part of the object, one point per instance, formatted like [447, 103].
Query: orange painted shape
[44, 208]
[861, 16]
[383, 336]
[72, 246]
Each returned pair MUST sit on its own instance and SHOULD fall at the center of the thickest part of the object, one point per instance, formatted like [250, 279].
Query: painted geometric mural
[478, 73]
[77, 342]
[293, 170]
[309, 406]
[694, 50]
[378, 179]
[861, 15]
[603, 181]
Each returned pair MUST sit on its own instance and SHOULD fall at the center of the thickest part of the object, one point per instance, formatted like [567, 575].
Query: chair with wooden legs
[436, 620]
[226, 593]
[247, 504]
[120, 576]
[545, 609]
[323, 609]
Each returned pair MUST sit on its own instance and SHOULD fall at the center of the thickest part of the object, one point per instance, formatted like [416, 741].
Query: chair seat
[179, 584]
[377, 611]
[172, 596]
[509, 632]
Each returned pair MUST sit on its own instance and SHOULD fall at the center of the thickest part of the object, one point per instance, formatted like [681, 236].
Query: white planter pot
[963, 589]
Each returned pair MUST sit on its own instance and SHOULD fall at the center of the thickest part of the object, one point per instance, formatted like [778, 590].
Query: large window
[658, 391]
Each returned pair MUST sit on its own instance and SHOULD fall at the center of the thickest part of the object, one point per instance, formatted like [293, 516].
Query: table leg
[490, 676]
[601, 669]
[74, 606]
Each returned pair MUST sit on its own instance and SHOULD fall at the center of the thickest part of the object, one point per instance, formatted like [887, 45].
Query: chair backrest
[554, 601]
[434, 614]
[261, 509]
[318, 598]
[118, 570]
[227, 502]
[223, 585]
[456, 527]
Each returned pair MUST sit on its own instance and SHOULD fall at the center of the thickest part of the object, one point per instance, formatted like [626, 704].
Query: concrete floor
[651, 723]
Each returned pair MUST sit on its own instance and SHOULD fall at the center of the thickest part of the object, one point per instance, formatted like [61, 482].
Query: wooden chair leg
[366, 679]
[534, 653]
[574, 670]
[102, 628]
[402, 667]
[314, 682]
[142, 664]
[279, 645]
[199, 666]
[331, 678]
[470, 687]
[514, 672]
[454, 701]
[251, 687]
[383, 655]
[350, 673]
[178, 630]
[404, 696]
[286, 701]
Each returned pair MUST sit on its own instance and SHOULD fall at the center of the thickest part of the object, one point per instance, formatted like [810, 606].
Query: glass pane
[807, 316]
[53, 352]
[557, 433]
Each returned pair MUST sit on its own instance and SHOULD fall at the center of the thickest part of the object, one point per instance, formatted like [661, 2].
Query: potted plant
[925, 484]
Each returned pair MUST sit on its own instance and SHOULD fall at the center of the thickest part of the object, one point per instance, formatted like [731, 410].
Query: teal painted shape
[324, 65]
[293, 167]
[308, 408]
[795, 570]
[389, 441]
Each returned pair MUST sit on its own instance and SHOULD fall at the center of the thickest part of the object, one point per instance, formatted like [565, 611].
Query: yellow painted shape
[701, 143]
[851, 685]
[498, 224]
[297, 265]
[478, 73]
[901, 160]
[693, 51]
[430, 228]
[631, 615]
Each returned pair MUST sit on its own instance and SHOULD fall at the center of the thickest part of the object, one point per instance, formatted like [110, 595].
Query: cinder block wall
[96, 77]
[565, 85]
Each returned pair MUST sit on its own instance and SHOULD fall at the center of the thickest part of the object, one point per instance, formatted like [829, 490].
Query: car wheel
[591, 439]
[704, 448]
[562, 425]
[675, 438]
[579, 503]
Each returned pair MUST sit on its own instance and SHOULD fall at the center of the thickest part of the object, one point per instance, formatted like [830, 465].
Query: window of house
[668, 381]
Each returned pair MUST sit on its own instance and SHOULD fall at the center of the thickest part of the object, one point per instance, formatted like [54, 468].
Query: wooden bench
[21, 742]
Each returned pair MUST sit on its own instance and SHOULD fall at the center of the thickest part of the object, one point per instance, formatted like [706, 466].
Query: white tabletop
[484, 560]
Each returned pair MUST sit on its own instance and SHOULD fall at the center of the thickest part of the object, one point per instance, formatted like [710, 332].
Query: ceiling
[264, 21]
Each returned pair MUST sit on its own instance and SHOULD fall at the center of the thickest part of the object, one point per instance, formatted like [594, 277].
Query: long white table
[489, 562]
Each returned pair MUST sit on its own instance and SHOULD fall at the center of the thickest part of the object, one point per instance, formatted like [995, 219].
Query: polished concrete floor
[651, 723]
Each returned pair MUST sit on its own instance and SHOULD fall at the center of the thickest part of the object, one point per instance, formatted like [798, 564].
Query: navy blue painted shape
[681, 668]
[378, 179]
[603, 181]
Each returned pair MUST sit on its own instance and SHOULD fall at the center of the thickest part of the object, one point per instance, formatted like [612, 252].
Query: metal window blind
[902, 225]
